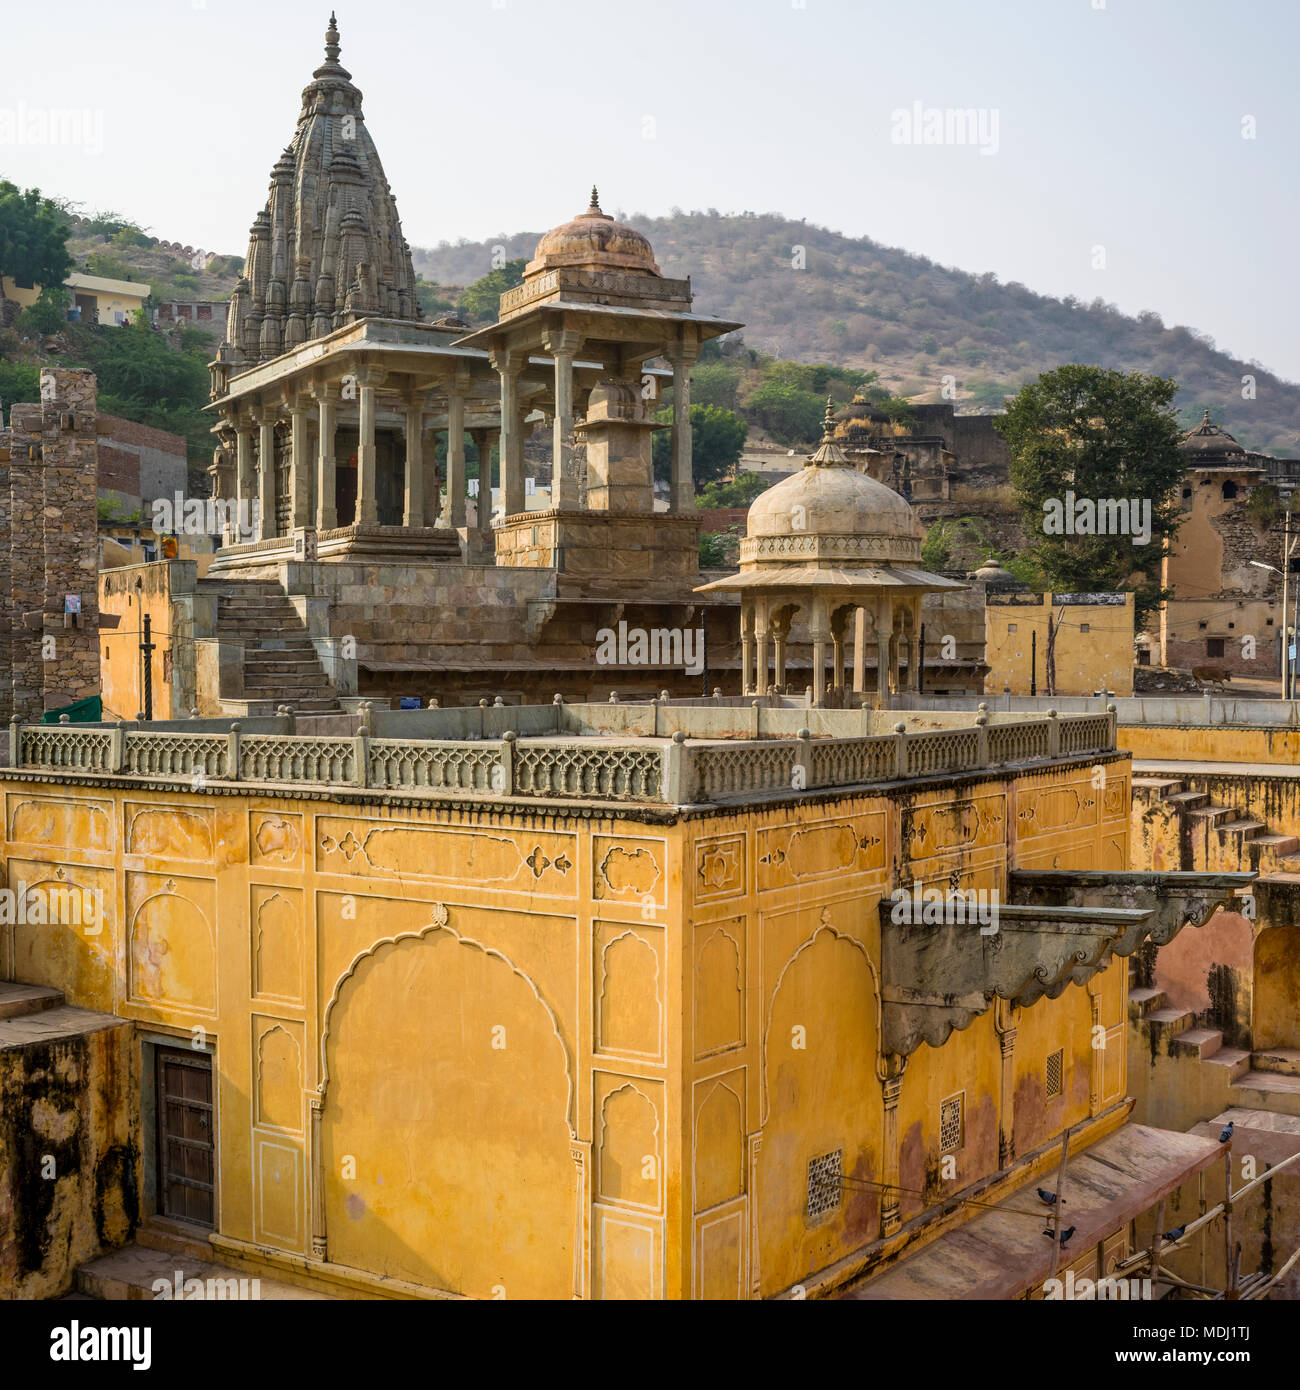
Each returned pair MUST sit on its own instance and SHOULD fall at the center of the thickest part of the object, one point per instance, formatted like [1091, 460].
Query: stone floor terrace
[668, 753]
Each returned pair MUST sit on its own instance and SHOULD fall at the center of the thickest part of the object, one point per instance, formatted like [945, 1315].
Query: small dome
[830, 497]
[594, 240]
[859, 412]
[1209, 438]
[990, 572]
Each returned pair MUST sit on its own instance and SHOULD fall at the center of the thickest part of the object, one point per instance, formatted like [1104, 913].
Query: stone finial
[332, 40]
[595, 207]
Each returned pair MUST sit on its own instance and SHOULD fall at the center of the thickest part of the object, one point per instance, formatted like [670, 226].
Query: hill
[859, 304]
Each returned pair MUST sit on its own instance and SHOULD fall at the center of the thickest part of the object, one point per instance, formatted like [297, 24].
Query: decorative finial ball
[900, 728]
[679, 737]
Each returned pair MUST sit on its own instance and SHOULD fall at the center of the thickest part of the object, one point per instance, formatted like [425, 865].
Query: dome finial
[828, 423]
[595, 200]
[332, 40]
[1205, 419]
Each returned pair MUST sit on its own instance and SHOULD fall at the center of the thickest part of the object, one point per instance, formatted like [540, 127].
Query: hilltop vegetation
[862, 305]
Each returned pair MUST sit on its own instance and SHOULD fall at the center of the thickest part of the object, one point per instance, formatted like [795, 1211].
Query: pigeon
[1176, 1233]
[1045, 1196]
[1065, 1236]
[1226, 1134]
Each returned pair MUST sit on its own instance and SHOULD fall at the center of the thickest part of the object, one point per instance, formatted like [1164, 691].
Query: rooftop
[682, 754]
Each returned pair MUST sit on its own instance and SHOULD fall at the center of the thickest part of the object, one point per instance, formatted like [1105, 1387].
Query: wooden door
[186, 1136]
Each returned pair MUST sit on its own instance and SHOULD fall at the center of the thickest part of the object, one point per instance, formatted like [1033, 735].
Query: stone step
[1188, 800]
[1165, 786]
[1214, 816]
[1265, 1090]
[1244, 827]
[1236, 1059]
[134, 1272]
[1199, 1042]
[1268, 851]
[286, 662]
[175, 1237]
[1142, 1000]
[1170, 1022]
[1285, 1061]
[17, 1000]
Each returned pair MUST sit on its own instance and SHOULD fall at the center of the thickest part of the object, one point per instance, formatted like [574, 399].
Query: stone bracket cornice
[939, 976]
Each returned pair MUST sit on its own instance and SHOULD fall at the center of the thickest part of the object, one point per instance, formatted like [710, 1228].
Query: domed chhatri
[594, 241]
[833, 543]
[1210, 439]
[831, 497]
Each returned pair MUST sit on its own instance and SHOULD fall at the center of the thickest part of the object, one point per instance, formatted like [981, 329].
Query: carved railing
[1016, 743]
[289, 758]
[737, 768]
[843, 761]
[942, 750]
[176, 755]
[602, 772]
[451, 767]
[77, 750]
[1085, 733]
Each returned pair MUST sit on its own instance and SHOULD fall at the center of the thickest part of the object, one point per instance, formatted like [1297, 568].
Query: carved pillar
[368, 378]
[1004, 1023]
[300, 463]
[318, 1245]
[508, 365]
[780, 631]
[413, 501]
[327, 516]
[682, 495]
[456, 392]
[564, 486]
[914, 651]
[819, 631]
[884, 627]
[892, 1088]
[244, 486]
[492, 440]
[266, 419]
[839, 619]
[1098, 1058]
[760, 646]
[746, 647]
[859, 650]
[480, 438]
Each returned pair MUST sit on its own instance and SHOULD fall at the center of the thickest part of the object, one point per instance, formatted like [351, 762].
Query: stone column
[914, 660]
[300, 463]
[456, 452]
[266, 419]
[884, 626]
[413, 508]
[760, 647]
[819, 630]
[746, 647]
[244, 485]
[859, 650]
[780, 631]
[1004, 1019]
[327, 516]
[432, 479]
[837, 624]
[682, 495]
[508, 365]
[368, 378]
[564, 486]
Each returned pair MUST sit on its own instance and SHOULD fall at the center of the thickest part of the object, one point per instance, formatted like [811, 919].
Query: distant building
[92, 299]
[1086, 638]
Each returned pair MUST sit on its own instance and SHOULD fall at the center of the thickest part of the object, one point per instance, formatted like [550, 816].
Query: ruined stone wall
[69, 1153]
[52, 549]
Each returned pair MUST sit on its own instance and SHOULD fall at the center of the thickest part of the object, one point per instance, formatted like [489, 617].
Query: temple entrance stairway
[281, 666]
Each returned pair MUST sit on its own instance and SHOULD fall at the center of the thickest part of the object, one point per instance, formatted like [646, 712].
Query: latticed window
[824, 1178]
[1055, 1072]
[952, 1122]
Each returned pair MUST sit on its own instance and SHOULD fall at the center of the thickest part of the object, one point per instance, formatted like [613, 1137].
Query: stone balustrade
[562, 754]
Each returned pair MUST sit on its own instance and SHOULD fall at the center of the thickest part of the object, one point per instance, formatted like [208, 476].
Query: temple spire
[332, 40]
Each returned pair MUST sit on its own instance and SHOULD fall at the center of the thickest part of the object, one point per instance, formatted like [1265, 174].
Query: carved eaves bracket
[1173, 900]
[940, 976]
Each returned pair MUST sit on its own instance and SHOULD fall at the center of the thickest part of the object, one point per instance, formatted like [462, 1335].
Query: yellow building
[595, 1001]
[1087, 638]
[97, 298]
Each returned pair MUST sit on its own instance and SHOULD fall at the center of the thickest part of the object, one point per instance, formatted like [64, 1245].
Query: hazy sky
[1119, 124]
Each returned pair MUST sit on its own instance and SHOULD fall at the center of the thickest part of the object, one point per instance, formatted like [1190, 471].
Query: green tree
[481, 301]
[33, 239]
[1103, 436]
[739, 491]
[717, 441]
[788, 413]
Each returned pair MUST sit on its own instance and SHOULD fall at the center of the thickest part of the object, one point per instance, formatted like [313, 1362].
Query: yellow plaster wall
[536, 1056]
[1215, 744]
[120, 661]
[1084, 660]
